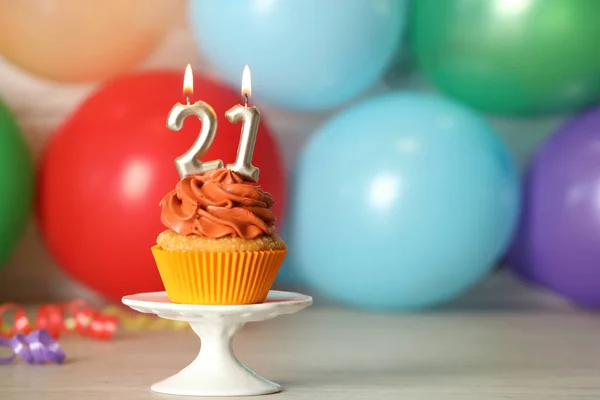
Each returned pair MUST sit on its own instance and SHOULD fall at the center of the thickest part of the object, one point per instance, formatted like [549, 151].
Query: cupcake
[220, 245]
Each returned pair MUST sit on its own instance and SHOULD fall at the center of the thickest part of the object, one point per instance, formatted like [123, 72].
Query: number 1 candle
[190, 162]
[250, 118]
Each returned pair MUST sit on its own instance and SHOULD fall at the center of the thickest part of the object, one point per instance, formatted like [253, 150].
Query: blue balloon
[302, 54]
[288, 275]
[402, 202]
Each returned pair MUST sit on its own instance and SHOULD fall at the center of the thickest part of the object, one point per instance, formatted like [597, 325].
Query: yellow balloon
[80, 41]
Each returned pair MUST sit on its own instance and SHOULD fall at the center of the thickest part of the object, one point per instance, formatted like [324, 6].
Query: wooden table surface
[502, 341]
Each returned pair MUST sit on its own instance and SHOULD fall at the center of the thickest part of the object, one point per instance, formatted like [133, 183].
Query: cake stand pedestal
[216, 371]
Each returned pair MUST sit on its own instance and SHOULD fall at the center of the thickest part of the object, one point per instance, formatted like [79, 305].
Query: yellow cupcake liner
[234, 277]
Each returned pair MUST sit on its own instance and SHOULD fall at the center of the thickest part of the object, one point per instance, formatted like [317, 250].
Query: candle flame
[246, 82]
[188, 81]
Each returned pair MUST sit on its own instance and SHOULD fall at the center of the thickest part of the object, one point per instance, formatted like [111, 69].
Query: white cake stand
[216, 371]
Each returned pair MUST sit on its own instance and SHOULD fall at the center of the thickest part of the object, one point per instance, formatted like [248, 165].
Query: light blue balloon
[402, 202]
[288, 275]
[302, 54]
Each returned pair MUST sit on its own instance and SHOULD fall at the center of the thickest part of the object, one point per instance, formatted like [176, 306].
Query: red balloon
[106, 169]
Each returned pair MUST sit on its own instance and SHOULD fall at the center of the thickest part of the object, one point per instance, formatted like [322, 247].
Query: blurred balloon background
[394, 137]
[512, 57]
[403, 201]
[299, 49]
[75, 41]
[558, 243]
[16, 183]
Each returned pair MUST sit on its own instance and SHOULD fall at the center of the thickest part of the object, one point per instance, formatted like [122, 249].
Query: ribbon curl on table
[74, 316]
[37, 347]
[139, 321]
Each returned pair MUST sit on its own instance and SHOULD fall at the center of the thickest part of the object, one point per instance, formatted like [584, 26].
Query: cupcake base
[218, 278]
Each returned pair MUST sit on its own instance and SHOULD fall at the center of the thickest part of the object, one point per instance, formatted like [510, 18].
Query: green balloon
[510, 57]
[16, 183]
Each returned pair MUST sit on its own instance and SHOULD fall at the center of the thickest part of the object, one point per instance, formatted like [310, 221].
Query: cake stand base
[216, 371]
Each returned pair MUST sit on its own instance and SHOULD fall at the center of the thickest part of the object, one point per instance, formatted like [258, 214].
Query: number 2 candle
[190, 162]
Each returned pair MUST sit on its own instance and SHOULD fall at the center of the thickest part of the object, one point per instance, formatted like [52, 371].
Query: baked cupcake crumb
[172, 241]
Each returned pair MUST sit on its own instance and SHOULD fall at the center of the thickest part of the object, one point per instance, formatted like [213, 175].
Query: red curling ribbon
[20, 321]
[55, 319]
[50, 317]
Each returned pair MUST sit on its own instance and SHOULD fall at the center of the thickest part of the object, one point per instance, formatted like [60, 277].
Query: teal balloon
[512, 57]
[302, 54]
[288, 273]
[16, 183]
[402, 202]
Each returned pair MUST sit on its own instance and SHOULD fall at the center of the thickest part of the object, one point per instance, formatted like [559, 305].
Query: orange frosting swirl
[216, 204]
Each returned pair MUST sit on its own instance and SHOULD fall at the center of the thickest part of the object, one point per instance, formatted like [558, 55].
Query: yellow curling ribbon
[135, 322]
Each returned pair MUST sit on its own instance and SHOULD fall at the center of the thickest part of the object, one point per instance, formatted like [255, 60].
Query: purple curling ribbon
[37, 347]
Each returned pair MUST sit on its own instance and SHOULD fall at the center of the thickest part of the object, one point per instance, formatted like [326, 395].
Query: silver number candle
[190, 162]
[250, 118]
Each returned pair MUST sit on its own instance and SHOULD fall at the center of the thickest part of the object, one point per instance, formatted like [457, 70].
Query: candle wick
[187, 99]
[246, 100]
